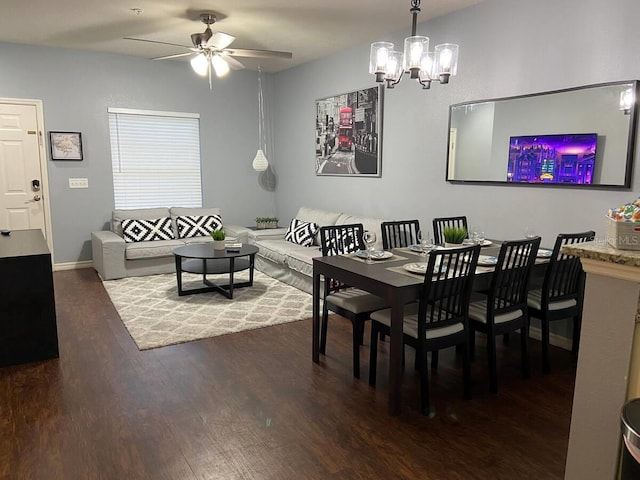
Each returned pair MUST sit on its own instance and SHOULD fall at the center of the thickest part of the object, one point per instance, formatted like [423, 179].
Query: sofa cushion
[301, 232]
[141, 230]
[300, 259]
[155, 249]
[197, 225]
[139, 213]
[322, 218]
[369, 223]
[275, 250]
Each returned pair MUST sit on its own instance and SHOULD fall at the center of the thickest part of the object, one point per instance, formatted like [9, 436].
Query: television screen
[567, 158]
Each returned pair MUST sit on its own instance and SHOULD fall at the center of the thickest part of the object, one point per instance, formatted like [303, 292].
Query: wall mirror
[578, 137]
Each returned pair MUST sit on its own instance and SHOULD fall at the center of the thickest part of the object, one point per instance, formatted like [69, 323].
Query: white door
[23, 193]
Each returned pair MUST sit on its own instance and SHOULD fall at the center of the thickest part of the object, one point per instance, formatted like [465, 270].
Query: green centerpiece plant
[454, 235]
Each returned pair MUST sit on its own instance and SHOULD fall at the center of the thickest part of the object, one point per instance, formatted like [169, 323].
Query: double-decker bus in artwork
[345, 129]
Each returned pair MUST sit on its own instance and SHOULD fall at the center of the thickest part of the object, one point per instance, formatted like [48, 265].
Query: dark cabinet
[28, 330]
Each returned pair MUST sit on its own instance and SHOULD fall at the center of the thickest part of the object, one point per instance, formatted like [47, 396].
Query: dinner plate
[419, 268]
[544, 253]
[486, 243]
[487, 261]
[415, 248]
[375, 255]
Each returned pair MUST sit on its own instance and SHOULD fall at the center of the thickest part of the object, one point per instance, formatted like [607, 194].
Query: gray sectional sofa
[113, 257]
[292, 263]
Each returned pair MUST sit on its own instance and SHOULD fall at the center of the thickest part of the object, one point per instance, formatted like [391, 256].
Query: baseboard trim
[554, 339]
[72, 265]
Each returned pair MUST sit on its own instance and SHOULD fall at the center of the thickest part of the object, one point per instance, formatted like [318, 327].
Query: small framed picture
[65, 145]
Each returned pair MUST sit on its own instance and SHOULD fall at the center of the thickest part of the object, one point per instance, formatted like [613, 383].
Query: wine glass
[530, 232]
[426, 243]
[369, 239]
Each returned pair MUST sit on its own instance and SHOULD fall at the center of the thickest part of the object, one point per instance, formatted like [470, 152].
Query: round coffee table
[201, 258]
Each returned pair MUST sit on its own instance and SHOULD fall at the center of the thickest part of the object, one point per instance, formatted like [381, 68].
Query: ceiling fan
[210, 51]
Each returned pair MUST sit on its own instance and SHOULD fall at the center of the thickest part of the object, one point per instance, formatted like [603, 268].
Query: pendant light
[260, 162]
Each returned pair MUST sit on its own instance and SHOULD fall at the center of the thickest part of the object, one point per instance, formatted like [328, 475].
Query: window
[155, 158]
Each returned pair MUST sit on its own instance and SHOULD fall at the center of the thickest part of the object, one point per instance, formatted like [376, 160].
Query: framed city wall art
[349, 133]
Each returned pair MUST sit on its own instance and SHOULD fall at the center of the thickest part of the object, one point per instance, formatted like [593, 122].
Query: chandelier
[388, 65]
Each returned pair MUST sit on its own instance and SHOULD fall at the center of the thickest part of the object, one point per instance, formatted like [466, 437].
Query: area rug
[156, 316]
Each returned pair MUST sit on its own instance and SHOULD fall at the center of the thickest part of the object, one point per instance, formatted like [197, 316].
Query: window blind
[155, 158]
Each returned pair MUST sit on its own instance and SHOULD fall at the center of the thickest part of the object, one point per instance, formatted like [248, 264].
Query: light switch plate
[78, 183]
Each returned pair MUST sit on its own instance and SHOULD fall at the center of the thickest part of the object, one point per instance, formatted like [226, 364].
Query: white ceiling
[310, 29]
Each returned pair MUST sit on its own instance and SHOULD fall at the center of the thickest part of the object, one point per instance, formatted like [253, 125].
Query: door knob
[37, 198]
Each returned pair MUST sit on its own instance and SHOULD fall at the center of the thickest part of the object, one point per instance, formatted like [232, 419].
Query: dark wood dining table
[395, 287]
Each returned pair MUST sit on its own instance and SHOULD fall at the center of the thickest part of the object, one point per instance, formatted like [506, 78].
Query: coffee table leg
[252, 259]
[179, 274]
[231, 265]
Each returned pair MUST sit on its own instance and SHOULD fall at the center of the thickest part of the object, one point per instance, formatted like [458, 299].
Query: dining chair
[351, 303]
[400, 233]
[562, 293]
[439, 224]
[504, 307]
[439, 319]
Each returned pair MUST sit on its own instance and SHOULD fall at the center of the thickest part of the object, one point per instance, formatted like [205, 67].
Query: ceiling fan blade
[241, 52]
[220, 40]
[177, 55]
[154, 41]
[233, 63]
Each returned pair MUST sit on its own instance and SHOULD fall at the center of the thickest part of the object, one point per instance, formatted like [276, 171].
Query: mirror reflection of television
[565, 158]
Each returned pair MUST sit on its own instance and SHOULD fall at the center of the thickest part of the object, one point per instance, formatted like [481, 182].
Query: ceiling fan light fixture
[200, 64]
[220, 65]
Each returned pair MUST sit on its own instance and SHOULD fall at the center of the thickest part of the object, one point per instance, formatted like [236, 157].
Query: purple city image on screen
[567, 158]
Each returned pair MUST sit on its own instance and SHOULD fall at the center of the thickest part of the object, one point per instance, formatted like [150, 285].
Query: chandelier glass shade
[389, 65]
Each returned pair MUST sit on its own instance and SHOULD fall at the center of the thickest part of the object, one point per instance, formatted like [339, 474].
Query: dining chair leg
[373, 353]
[361, 330]
[466, 370]
[434, 360]
[356, 348]
[323, 329]
[546, 367]
[472, 344]
[505, 339]
[493, 363]
[424, 380]
[524, 341]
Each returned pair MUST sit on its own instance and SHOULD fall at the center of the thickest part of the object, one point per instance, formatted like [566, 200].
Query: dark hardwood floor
[252, 405]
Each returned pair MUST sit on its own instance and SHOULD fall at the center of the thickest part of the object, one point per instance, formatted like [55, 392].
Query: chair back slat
[401, 233]
[510, 281]
[446, 290]
[338, 240]
[439, 224]
[564, 275]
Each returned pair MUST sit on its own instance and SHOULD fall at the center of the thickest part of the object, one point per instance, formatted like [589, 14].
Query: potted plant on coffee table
[218, 239]
[454, 236]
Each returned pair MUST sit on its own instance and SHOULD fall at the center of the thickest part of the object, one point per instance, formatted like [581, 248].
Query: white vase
[218, 244]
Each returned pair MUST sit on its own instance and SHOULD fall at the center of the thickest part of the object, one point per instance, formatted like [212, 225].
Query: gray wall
[507, 48]
[77, 88]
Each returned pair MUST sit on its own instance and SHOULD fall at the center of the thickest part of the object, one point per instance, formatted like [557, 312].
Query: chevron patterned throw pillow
[135, 230]
[301, 232]
[197, 225]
